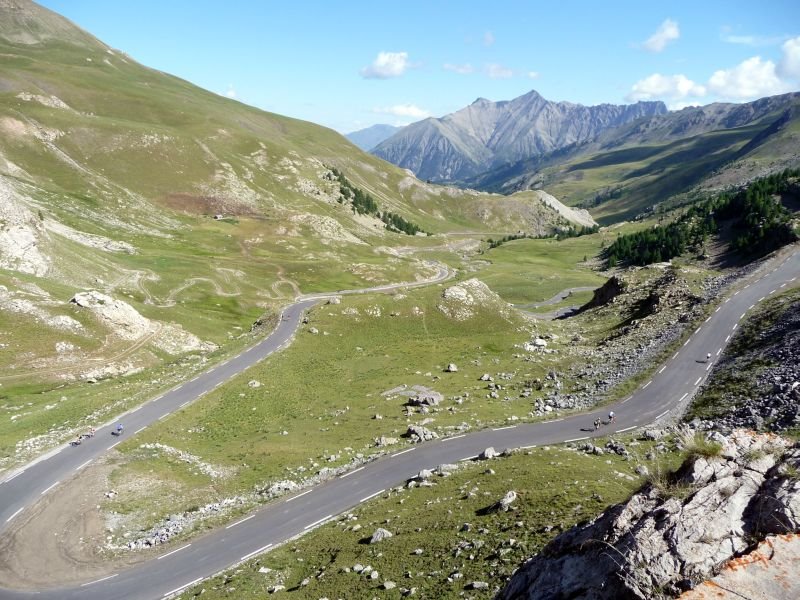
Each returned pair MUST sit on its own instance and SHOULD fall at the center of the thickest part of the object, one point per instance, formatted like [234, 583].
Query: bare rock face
[677, 531]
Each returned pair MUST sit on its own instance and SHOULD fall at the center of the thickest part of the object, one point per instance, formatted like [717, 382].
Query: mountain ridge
[484, 133]
[369, 137]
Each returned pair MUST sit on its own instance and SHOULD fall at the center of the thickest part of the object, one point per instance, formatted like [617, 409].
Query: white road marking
[17, 474]
[50, 488]
[735, 325]
[240, 521]
[576, 439]
[114, 444]
[728, 299]
[783, 285]
[696, 331]
[298, 496]
[318, 522]
[646, 384]
[627, 429]
[709, 366]
[194, 379]
[708, 319]
[727, 339]
[719, 351]
[140, 429]
[502, 428]
[684, 396]
[553, 421]
[466, 458]
[698, 380]
[742, 316]
[734, 295]
[747, 286]
[84, 464]
[403, 452]
[164, 416]
[351, 472]
[15, 514]
[662, 414]
[245, 557]
[371, 496]
[184, 586]
[716, 311]
[661, 370]
[527, 447]
[772, 292]
[626, 399]
[750, 307]
[99, 580]
[674, 356]
[455, 437]
[184, 404]
[687, 342]
[173, 552]
[761, 299]
[793, 278]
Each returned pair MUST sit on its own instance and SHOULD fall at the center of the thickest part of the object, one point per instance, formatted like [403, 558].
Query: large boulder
[677, 531]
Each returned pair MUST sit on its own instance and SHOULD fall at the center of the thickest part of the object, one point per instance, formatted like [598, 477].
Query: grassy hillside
[198, 212]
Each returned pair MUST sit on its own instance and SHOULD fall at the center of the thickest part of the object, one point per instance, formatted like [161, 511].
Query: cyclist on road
[611, 417]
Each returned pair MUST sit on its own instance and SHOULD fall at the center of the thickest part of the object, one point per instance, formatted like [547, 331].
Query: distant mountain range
[630, 168]
[487, 134]
[368, 138]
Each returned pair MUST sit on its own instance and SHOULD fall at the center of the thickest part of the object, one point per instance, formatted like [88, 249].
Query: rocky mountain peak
[485, 133]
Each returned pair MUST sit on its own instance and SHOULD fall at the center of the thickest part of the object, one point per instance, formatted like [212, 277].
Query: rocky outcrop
[464, 300]
[606, 293]
[127, 323]
[678, 530]
[485, 133]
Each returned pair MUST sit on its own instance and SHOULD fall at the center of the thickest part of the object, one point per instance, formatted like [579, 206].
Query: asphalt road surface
[670, 388]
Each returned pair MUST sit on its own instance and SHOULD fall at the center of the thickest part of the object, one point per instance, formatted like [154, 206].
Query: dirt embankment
[58, 541]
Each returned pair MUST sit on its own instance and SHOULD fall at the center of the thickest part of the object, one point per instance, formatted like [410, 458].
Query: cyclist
[611, 417]
[119, 428]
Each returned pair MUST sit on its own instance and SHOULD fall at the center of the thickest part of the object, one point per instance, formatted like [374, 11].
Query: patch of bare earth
[59, 540]
[207, 205]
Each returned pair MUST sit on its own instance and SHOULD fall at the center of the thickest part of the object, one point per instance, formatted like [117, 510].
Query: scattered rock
[380, 535]
[488, 454]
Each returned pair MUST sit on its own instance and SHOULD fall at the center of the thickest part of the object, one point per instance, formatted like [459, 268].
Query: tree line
[760, 224]
[363, 203]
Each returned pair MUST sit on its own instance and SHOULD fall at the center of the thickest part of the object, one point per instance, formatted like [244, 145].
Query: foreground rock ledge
[677, 532]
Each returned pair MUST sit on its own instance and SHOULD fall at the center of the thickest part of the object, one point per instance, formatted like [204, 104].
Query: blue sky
[358, 63]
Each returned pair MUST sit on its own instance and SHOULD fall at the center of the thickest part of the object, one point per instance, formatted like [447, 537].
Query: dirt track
[59, 540]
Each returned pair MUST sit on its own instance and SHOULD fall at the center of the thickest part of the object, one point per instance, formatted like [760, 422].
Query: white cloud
[789, 66]
[488, 39]
[751, 79]
[496, 71]
[464, 69]
[403, 110]
[231, 93]
[669, 87]
[666, 32]
[727, 35]
[387, 65]
[532, 74]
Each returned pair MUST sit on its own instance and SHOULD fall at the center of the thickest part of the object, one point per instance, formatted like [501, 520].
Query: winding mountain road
[670, 388]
